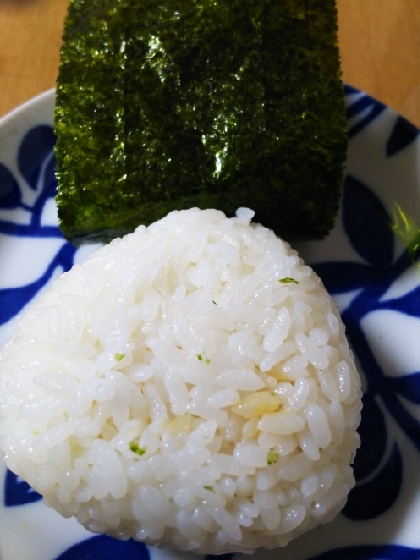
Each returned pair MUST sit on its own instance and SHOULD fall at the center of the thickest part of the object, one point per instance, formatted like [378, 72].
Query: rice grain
[180, 389]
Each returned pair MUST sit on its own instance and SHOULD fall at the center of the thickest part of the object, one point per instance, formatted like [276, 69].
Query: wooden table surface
[379, 42]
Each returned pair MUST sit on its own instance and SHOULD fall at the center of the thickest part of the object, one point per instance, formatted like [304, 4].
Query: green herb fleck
[288, 280]
[272, 458]
[135, 448]
[406, 228]
[119, 357]
[208, 361]
[199, 357]
[209, 488]
[214, 302]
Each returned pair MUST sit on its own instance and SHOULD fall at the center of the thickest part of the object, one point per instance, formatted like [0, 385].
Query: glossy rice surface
[189, 385]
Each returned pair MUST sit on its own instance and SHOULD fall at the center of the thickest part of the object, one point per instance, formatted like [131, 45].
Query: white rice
[238, 389]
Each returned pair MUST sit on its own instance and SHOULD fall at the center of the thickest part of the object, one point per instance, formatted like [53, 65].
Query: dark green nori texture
[170, 104]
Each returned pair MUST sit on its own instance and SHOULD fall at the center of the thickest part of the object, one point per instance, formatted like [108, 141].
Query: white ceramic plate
[364, 266]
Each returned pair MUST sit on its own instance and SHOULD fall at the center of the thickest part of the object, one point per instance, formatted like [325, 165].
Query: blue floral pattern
[361, 110]
[367, 278]
[106, 548]
[366, 223]
[17, 492]
[371, 553]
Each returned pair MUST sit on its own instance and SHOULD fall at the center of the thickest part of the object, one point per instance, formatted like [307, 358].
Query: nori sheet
[170, 104]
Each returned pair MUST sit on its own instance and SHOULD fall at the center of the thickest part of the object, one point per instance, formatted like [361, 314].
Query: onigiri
[188, 385]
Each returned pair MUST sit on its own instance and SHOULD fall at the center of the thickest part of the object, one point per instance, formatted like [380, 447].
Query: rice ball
[189, 385]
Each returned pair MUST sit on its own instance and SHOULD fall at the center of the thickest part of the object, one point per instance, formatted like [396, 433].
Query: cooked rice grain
[189, 385]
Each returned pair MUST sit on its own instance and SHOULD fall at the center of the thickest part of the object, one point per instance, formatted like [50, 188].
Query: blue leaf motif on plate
[17, 492]
[34, 148]
[10, 196]
[378, 464]
[227, 556]
[13, 300]
[363, 108]
[373, 436]
[403, 134]
[37, 166]
[369, 499]
[371, 552]
[406, 421]
[407, 386]
[374, 496]
[343, 277]
[409, 304]
[106, 548]
[367, 223]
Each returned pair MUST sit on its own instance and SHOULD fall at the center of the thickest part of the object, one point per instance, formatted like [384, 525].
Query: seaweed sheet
[165, 105]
